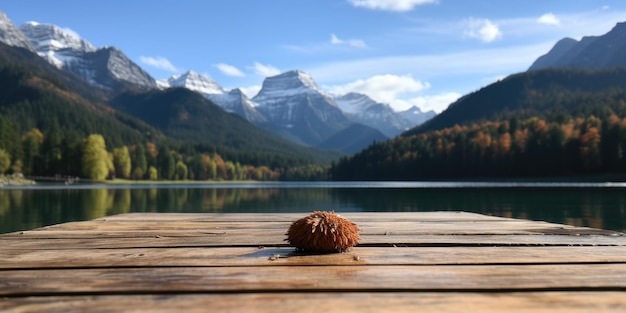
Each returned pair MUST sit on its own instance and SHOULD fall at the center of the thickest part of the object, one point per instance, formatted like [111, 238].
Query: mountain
[11, 35]
[233, 101]
[535, 93]
[187, 116]
[107, 68]
[353, 139]
[296, 108]
[35, 94]
[416, 116]
[362, 109]
[551, 122]
[592, 52]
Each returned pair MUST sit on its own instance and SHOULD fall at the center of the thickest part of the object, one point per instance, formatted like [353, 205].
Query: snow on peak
[11, 35]
[354, 103]
[196, 82]
[414, 110]
[287, 84]
[57, 45]
[48, 37]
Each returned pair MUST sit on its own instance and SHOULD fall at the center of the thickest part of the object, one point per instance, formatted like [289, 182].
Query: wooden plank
[255, 229]
[549, 302]
[290, 217]
[399, 227]
[589, 277]
[157, 239]
[269, 256]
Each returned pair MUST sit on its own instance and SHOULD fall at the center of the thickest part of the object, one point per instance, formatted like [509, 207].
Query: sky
[401, 52]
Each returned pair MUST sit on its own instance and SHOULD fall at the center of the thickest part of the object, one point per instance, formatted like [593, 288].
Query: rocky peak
[355, 102]
[287, 84]
[11, 35]
[48, 37]
[196, 82]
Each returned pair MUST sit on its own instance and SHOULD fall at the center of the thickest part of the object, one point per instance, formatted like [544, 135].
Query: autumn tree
[122, 162]
[181, 171]
[95, 159]
[5, 161]
[31, 142]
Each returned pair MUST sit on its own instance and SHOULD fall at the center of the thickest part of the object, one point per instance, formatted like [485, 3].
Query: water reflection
[22, 209]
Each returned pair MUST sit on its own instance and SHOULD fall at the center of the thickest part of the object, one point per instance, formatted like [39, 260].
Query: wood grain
[313, 278]
[536, 302]
[427, 262]
[286, 256]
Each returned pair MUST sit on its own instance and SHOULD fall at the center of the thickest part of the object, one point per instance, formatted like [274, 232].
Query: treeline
[513, 148]
[66, 154]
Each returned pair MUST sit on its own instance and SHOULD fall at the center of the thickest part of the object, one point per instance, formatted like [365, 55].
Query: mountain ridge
[591, 52]
[295, 108]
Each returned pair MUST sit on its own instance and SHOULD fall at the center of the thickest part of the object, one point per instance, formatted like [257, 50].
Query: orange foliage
[504, 144]
[521, 137]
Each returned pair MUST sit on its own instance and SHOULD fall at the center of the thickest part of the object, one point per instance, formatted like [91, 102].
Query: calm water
[601, 205]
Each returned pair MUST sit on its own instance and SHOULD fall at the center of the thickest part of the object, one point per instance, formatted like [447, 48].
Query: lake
[599, 205]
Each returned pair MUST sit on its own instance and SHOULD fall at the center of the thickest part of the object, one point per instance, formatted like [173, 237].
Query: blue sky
[402, 52]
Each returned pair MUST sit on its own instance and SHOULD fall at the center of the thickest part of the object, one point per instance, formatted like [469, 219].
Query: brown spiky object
[323, 232]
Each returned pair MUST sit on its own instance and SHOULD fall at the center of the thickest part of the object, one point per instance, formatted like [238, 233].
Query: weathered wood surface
[405, 262]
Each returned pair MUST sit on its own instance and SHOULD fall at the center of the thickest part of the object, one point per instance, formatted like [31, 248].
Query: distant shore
[15, 180]
[18, 180]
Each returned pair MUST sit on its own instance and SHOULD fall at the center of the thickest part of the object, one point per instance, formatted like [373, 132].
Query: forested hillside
[544, 93]
[52, 124]
[544, 123]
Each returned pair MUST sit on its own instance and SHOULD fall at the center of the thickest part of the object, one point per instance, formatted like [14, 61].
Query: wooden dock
[405, 262]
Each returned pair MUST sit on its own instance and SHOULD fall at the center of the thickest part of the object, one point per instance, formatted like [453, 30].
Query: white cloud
[229, 70]
[160, 63]
[70, 32]
[437, 103]
[250, 91]
[549, 19]
[390, 5]
[400, 92]
[357, 43]
[265, 70]
[382, 88]
[482, 29]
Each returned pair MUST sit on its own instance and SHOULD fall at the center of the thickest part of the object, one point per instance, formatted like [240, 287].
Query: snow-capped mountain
[57, 46]
[237, 102]
[233, 101]
[362, 109]
[107, 68]
[297, 108]
[194, 81]
[290, 104]
[416, 116]
[11, 35]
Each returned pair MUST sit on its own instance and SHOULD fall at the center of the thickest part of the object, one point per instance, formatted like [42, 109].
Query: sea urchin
[323, 232]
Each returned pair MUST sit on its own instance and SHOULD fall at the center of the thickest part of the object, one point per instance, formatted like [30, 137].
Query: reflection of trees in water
[602, 208]
[95, 203]
[599, 207]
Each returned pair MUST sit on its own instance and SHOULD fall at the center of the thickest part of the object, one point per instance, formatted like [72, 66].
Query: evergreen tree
[140, 163]
[51, 151]
[166, 163]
